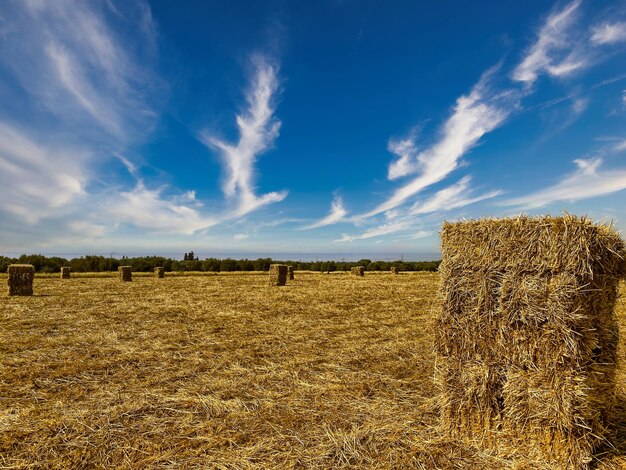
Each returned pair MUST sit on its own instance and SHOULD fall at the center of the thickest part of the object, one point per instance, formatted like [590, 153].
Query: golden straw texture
[125, 273]
[221, 372]
[527, 341]
[20, 279]
[278, 275]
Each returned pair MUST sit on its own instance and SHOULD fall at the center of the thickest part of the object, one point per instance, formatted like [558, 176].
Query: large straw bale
[290, 273]
[125, 273]
[20, 279]
[159, 272]
[526, 340]
[65, 272]
[394, 270]
[278, 274]
[358, 271]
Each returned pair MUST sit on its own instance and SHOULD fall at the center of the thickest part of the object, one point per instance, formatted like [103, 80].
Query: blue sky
[302, 127]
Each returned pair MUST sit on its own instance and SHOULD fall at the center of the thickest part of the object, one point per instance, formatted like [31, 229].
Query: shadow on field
[619, 426]
[617, 441]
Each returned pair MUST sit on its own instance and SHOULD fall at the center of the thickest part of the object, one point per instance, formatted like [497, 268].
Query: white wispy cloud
[240, 236]
[36, 179]
[473, 116]
[586, 182]
[407, 152]
[405, 220]
[88, 229]
[88, 77]
[579, 105]
[453, 197]
[130, 166]
[79, 66]
[258, 130]
[420, 234]
[337, 214]
[384, 229]
[609, 33]
[149, 209]
[83, 82]
[554, 52]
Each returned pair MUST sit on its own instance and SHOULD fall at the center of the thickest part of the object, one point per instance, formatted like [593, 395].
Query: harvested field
[224, 371]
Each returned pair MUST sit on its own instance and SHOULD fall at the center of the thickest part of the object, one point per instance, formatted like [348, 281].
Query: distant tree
[363, 262]
[262, 264]
[92, 263]
[229, 265]
[211, 265]
[4, 263]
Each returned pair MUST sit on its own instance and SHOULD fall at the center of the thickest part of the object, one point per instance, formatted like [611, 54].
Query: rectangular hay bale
[290, 275]
[526, 340]
[159, 272]
[65, 272]
[125, 273]
[20, 279]
[358, 271]
[278, 275]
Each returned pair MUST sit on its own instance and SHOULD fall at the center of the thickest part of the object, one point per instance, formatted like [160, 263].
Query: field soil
[225, 371]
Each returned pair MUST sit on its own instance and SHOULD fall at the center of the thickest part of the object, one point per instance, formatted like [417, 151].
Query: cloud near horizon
[148, 209]
[337, 214]
[452, 197]
[587, 181]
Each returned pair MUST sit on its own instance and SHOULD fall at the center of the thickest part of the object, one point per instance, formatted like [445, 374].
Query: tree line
[92, 263]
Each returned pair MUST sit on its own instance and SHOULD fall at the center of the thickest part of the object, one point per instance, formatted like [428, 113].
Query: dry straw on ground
[159, 272]
[290, 275]
[125, 273]
[65, 272]
[278, 275]
[20, 279]
[221, 372]
[527, 339]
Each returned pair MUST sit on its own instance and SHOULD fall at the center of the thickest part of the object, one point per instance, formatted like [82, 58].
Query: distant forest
[190, 262]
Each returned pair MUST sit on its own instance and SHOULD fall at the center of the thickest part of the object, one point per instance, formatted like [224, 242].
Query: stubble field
[225, 371]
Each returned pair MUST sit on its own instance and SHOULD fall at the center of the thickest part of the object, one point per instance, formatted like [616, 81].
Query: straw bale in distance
[526, 339]
[65, 272]
[290, 273]
[159, 272]
[358, 271]
[20, 279]
[278, 274]
[394, 270]
[125, 273]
